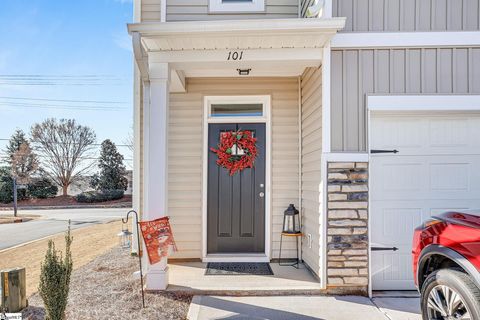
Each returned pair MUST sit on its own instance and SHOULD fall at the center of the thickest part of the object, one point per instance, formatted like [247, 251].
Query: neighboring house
[83, 185]
[129, 177]
[329, 98]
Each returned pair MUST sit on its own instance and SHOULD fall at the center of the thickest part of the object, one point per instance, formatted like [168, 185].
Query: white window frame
[266, 118]
[218, 6]
[232, 100]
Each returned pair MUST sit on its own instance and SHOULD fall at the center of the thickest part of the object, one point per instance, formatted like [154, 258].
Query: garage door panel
[435, 170]
[403, 133]
[398, 177]
[392, 225]
[425, 177]
[417, 135]
[395, 223]
[392, 271]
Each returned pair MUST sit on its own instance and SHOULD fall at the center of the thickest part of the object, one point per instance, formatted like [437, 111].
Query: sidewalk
[304, 308]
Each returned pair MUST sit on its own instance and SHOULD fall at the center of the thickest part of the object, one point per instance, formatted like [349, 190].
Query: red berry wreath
[236, 151]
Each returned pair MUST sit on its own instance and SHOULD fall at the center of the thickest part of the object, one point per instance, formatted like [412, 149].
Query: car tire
[456, 281]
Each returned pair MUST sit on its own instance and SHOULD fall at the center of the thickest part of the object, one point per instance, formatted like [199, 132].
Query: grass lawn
[88, 243]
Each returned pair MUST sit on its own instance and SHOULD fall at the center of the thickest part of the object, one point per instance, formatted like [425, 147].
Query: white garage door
[437, 168]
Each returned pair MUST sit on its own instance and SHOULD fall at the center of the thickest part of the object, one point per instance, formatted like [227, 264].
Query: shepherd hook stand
[139, 250]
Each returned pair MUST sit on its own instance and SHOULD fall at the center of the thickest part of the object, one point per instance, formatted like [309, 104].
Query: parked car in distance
[446, 265]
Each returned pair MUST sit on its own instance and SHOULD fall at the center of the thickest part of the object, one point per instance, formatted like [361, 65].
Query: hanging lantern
[291, 220]
[125, 237]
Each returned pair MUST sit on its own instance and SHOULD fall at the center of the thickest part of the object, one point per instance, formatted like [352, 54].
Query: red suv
[446, 265]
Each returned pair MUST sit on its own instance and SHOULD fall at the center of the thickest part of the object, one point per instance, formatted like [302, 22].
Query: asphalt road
[52, 222]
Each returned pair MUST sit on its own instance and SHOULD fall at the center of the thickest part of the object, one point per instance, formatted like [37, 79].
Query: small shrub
[42, 189]
[55, 279]
[6, 187]
[6, 191]
[99, 196]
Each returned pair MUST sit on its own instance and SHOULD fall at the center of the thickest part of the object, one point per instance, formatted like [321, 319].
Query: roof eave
[314, 25]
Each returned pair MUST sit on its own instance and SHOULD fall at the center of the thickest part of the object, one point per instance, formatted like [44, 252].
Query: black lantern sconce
[291, 220]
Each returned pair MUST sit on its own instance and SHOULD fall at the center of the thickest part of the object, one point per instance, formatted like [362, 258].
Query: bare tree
[129, 141]
[65, 148]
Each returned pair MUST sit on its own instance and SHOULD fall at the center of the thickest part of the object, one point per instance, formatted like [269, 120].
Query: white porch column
[156, 105]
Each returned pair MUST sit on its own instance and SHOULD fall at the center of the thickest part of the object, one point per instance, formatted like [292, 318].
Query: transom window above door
[236, 6]
[237, 108]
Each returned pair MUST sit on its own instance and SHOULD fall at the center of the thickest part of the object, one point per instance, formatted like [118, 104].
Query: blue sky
[66, 59]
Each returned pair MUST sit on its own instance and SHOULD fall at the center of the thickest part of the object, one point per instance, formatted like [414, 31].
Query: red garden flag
[158, 236]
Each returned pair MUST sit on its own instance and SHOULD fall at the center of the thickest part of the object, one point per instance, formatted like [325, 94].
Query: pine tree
[21, 158]
[112, 170]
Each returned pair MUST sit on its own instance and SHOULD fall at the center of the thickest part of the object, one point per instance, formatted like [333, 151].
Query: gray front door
[236, 204]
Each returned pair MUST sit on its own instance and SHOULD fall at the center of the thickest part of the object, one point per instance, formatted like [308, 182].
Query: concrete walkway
[304, 308]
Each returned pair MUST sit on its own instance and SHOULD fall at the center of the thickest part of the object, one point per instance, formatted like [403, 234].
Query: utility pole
[14, 196]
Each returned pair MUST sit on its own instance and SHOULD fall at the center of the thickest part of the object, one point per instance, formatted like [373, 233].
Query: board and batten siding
[358, 72]
[197, 10]
[186, 155]
[311, 128]
[408, 15]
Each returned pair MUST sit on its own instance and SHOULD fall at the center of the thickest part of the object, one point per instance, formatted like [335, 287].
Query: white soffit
[237, 34]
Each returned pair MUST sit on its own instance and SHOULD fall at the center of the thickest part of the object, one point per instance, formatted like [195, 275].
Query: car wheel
[449, 294]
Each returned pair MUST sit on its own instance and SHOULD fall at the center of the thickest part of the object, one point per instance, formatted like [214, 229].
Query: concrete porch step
[189, 277]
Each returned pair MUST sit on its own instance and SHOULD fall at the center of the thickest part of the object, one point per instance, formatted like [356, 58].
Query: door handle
[383, 248]
[261, 194]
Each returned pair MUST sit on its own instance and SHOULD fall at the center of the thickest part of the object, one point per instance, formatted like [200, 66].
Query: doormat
[238, 268]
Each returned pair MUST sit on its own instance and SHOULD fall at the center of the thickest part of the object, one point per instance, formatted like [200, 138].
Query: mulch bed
[5, 220]
[106, 289]
[62, 201]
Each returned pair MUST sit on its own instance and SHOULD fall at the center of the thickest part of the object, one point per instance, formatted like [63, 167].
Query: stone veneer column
[347, 227]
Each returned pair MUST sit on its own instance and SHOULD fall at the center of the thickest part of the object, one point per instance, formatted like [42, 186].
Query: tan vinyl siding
[197, 10]
[359, 72]
[185, 154]
[311, 86]
[185, 172]
[408, 15]
[150, 10]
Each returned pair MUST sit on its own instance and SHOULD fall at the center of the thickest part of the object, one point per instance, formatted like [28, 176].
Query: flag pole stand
[139, 250]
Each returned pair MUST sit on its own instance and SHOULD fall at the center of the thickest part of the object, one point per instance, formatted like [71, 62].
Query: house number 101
[235, 55]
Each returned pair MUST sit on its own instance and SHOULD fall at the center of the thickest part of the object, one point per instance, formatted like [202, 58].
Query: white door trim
[266, 118]
[407, 104]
